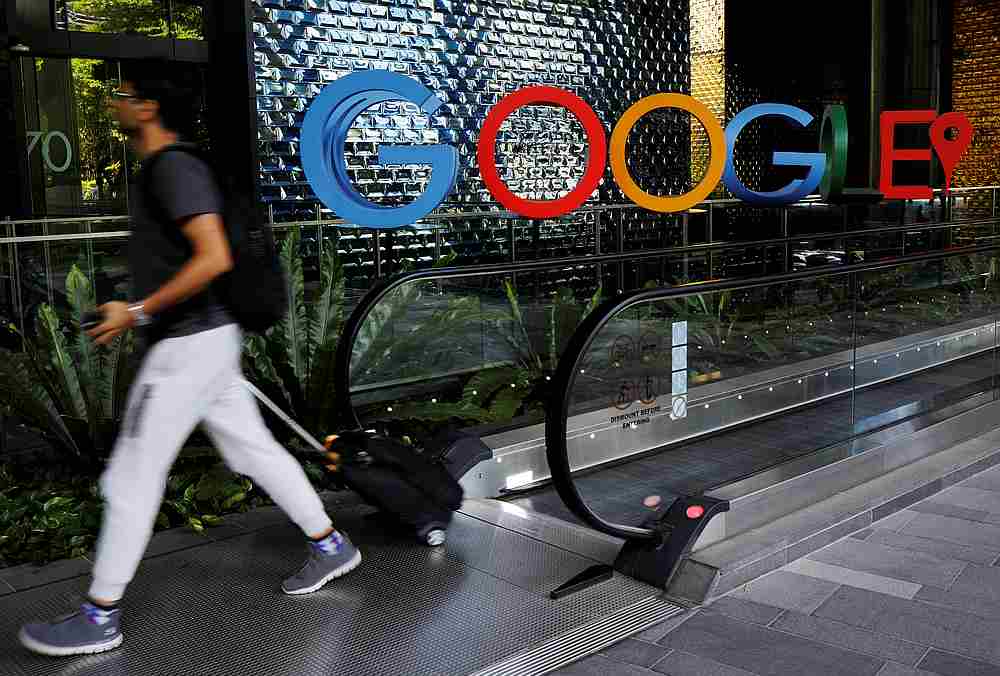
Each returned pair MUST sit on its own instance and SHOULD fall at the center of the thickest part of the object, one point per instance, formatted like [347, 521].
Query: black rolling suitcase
[418, 489]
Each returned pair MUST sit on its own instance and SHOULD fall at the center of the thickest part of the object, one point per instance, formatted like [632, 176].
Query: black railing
[570, 363]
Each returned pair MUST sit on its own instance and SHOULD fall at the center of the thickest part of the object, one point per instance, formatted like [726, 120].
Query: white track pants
[183, 382]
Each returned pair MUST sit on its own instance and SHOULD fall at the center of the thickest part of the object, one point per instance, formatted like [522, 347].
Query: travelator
[694, 437]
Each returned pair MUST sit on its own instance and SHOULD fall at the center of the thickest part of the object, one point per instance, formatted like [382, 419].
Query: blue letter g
[795, 190]
[324, 134]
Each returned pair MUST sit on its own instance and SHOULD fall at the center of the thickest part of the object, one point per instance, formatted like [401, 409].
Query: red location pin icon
[950, 151]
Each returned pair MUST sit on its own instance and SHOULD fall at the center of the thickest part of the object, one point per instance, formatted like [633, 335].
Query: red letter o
[596, 139]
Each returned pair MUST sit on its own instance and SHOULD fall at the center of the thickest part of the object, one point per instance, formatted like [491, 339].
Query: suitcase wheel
[433, 535]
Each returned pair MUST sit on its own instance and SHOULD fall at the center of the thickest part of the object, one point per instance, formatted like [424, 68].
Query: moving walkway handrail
[382, 288]
[557, 406]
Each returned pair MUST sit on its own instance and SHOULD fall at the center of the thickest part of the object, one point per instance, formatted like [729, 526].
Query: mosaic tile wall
[609, 53]
[976, 87]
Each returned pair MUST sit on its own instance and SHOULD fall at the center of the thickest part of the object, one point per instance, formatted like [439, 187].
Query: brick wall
[976, 87]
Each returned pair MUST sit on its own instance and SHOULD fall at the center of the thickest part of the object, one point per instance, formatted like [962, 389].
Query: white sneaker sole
[332, 575]
[55, 651]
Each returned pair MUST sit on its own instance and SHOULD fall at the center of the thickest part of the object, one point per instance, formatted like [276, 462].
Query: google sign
[331, 114]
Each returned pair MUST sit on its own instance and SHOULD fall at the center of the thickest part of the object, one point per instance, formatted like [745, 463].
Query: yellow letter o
[716, 139]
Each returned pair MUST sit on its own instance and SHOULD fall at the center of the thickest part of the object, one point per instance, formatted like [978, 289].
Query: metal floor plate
[408, 610]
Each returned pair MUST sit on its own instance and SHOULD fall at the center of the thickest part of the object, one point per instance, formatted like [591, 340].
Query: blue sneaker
[87, 631]
[329, 559]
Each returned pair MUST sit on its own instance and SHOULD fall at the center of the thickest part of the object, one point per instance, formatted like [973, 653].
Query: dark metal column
[232, 106]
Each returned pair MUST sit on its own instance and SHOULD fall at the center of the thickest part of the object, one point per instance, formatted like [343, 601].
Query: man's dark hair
[168, 85]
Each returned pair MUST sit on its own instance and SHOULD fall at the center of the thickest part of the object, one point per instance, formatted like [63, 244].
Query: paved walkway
[916, 595]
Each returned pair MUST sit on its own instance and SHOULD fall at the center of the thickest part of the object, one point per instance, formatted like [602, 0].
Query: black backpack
[255, 291]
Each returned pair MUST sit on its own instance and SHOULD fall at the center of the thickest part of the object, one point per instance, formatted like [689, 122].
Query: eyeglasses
[123, 95]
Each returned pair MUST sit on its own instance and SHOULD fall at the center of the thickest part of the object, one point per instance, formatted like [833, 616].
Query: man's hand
[117, 319]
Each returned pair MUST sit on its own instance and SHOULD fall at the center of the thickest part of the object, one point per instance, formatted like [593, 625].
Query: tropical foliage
[499, 394]
[293, 363]
[46, 515]
[63, 384]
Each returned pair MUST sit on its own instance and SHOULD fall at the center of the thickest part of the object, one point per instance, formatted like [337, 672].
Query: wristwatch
[139, 315]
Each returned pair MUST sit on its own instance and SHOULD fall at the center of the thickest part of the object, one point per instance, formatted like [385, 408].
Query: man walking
[190, 374]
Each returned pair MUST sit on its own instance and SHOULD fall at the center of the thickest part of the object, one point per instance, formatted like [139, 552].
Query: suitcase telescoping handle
[305, 436]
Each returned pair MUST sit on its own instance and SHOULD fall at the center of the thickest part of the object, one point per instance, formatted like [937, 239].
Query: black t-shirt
[184, 187]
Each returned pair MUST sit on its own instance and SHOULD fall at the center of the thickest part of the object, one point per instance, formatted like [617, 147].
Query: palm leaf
[89, 362]
[594, 301]
[22, 392]
[291, 332]
[59, 362]
[520, 326]
[327, 321]
[42, 373]
[261, 369]
[376, 338]
[430, 347]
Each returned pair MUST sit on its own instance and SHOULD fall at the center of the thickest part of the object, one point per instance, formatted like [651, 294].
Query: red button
[695, 512]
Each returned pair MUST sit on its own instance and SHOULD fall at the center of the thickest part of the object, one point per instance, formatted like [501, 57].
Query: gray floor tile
[680, 663]
[980, 581]
[948, 664]
[765, 651]
[28, 576]
[987, 481]
[953, 530]
[173, 540]
[863, 534]
[895, 522]
[893, 669]
[852, 638]
[855, 578]
[944, 509]
[967, 603]
[5, 588]
[741, 608]
[655, 633]
[939, 548]
[639, 653]
[939, 627]
[598, 665]
[791, 591]
[970, 497]
[857, 607]
[899, 564]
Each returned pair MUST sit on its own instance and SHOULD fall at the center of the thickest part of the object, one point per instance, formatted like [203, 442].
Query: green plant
[499, 394]
[201, 489]
[717, 331]
[46, 518]
[293, 362]
[410, 334]
[41, 521]
[63, 385]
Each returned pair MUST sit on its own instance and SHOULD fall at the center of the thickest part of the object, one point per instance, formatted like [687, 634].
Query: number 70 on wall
[46, 138]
